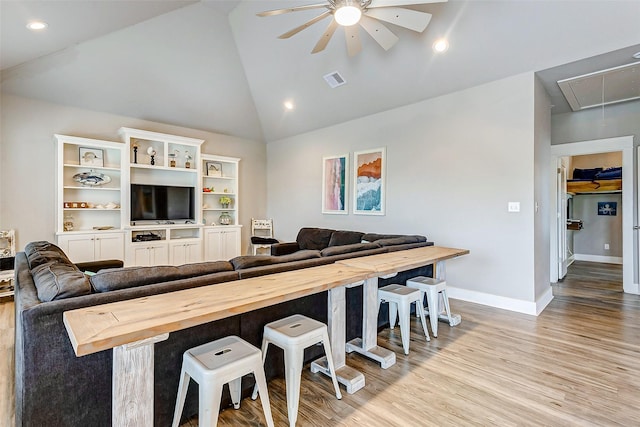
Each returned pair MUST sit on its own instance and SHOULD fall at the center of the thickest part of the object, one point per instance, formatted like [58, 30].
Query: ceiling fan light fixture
[441, 45]
[348, 13]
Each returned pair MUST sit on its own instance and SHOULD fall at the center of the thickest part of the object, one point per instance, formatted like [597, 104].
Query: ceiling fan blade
[407, 18]
[292, 9]
[352, 34]
[305, 25]
[379, 32]
[322, 43]
[386, 3]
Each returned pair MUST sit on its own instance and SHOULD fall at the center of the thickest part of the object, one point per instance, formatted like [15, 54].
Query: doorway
[624, 145]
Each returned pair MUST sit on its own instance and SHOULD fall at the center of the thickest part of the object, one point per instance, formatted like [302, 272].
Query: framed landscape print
[369, 182]
[335, 177]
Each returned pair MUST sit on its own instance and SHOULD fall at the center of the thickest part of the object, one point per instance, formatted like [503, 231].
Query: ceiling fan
[368, 13]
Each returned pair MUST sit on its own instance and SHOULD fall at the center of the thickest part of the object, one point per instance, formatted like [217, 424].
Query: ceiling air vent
[334, 79]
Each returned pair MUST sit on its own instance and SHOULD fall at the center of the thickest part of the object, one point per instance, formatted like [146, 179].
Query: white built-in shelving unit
[101, 214]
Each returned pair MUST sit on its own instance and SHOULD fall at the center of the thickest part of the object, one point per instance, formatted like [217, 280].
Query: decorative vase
[225, 205]
[225, 218]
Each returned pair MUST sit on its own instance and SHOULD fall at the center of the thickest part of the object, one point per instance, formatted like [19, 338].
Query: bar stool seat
[400, 299]
[431, 288]
[293, 334]
[214, 364]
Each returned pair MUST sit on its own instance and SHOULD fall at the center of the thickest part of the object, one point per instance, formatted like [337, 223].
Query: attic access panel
[621, 84]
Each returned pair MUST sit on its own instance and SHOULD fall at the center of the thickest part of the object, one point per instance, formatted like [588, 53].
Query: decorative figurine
[135, 153]
[152, 153]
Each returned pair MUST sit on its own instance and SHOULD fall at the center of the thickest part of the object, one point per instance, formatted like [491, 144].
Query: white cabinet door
[231, 243]
[185, 253]
[78, 247]
[148, 255]
[221, 244]
[92, 247]
[212, 245]
[109, 246]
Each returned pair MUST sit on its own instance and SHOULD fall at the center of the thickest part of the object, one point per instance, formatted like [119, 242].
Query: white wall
[619, 120]
[28, 161]
[542, 198]
[453, 164]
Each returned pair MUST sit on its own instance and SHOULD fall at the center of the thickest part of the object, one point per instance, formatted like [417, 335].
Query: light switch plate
[514, 207]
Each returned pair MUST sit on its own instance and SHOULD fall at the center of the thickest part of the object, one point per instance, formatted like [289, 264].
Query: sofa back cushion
[373, 237]
[54, 276]
[250, 261]
[42, 252]
[403, 240]
[344, 249]
[314, 238]
[341, 237]
[130, 277]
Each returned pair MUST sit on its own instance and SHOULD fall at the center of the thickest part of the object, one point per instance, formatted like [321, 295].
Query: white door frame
[625, 145]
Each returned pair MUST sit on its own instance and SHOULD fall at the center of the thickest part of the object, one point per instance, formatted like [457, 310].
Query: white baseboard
[599, 258]
[505, 303]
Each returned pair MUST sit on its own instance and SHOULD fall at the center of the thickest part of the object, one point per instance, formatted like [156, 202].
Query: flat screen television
[161, 203]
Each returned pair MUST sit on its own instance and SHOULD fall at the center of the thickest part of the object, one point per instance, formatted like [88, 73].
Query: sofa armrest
[284, 248]
[95, 266]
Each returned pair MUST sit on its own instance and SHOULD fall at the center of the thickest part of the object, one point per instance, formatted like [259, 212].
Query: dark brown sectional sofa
[54, 387]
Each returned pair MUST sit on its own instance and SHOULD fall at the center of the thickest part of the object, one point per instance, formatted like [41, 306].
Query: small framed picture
[214, 169]
[91, 157]
[608, 208]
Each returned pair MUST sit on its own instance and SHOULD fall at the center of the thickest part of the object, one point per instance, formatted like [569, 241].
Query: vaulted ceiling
[216, 66]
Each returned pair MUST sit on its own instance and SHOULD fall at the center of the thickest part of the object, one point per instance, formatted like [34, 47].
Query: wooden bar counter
[132, 327]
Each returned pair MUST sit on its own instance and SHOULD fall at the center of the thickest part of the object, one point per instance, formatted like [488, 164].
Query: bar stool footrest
[385, 357]
[353, 380]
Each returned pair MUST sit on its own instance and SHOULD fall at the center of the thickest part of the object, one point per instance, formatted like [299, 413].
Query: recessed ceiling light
[636, 55]
[37, 25]
[288, 105]
[441, 45]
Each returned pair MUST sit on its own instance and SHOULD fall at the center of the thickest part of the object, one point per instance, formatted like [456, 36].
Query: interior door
[563, 253]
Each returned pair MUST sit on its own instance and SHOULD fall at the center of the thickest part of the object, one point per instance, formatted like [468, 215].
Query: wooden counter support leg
[368, 344]
[132, 401]
[439, 272]
[353, 380]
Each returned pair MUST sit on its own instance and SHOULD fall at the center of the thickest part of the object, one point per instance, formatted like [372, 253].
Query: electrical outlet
[513, 207]
[606, 246]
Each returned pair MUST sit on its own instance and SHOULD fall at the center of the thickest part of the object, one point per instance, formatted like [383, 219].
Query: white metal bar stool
[432, 287]
[400, 299]
[217, 363]
[293, 334]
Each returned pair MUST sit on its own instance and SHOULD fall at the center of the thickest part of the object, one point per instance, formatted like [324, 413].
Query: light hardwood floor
[576, 364]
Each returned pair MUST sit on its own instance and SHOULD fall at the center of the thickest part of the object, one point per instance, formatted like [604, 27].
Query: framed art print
[91, 157]
[369, 182]
[214, 169]
[335, 177]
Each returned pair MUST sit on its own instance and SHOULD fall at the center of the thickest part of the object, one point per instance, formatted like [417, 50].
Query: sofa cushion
[400, 240]
[356, 247]
[57, 280]
[342, 237]
[43, 252]
[249, 261]
[130, 277]
[314, 238]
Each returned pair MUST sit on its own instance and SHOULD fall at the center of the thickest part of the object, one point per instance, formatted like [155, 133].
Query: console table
[388, 265]
[132, 327]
